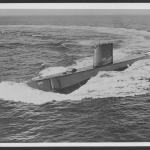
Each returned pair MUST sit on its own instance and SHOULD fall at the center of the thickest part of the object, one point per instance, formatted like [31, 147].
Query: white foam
[52, 70]
[132, 81]
[23, 93]
[87, 61]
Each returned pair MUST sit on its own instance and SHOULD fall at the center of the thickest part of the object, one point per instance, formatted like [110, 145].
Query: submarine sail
[103, 54]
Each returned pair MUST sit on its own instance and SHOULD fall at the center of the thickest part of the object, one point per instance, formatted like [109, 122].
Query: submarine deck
[67, 73]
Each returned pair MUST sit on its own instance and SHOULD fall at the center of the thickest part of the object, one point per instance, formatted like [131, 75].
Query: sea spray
[130, 82]
[133, 81]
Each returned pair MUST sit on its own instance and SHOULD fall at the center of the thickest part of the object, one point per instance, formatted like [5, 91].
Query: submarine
[72, 79]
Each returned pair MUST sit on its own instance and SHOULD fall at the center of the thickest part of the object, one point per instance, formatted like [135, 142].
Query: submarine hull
[68, 82]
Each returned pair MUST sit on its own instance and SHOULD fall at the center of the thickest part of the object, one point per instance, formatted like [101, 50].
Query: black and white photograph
[74, 75]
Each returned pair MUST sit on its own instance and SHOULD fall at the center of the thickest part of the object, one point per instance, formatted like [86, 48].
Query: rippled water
[112, 106]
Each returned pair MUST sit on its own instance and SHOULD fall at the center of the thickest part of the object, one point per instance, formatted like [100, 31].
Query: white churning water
[133, 81]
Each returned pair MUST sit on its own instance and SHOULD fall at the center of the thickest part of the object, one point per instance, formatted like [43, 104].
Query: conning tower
[103, 54]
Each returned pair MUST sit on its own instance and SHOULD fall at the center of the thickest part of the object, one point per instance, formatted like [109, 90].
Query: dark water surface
[111, 107]
[110, 119]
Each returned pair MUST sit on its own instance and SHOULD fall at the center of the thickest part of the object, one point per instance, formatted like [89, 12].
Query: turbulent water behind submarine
[112, 106]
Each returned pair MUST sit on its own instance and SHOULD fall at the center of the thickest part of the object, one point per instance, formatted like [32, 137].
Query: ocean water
[113, 106]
